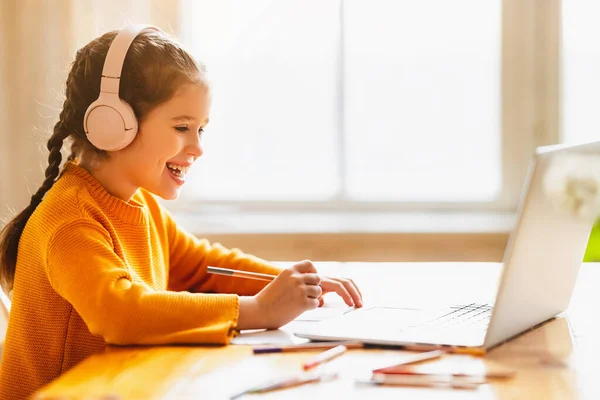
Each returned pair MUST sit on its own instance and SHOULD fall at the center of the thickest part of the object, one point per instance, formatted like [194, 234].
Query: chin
[169, 195]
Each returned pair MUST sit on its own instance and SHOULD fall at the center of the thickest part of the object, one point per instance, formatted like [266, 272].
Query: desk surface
[555, 361]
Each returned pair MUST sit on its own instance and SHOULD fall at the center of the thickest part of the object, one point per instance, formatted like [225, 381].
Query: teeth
[182, 170]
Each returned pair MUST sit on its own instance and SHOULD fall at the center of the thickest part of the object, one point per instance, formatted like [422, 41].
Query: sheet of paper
[262, 336]
[325, 312]
[285, 335]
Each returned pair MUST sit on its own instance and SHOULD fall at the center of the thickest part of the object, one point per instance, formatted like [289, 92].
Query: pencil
[241, 274]
[325, 356]
[476, 351]
[286, 383]
[305, 347]
[413, 359]
[400, 380]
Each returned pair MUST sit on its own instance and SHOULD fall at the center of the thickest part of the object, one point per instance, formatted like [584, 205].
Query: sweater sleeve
[122, 309]
[190, 257]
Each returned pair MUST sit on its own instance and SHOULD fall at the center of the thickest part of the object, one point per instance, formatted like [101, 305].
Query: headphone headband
[113, 64]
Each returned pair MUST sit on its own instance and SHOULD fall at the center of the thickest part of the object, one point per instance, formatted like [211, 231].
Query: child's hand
[294, 291]
[346, 288]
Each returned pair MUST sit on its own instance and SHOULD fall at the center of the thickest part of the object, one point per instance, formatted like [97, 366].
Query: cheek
[159, 146]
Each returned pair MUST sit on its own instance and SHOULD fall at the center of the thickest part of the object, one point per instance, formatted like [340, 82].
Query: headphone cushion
[110, 125]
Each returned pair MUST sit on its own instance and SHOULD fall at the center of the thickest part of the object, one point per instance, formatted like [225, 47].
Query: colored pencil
[240, 274]
[305, 347]
[325, 356]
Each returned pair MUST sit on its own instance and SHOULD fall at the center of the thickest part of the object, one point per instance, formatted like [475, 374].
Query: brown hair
[154, 67]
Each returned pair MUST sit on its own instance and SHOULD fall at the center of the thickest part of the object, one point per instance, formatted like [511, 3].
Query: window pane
[580, 68]
[272, 65]
[422, 99]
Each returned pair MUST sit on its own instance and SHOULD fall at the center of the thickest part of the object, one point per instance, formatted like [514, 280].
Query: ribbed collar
[131, 212]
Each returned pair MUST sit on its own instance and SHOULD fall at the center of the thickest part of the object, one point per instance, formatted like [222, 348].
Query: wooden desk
[555, 361]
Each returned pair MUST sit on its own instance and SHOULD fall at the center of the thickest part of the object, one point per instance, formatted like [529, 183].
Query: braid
[54, 145]
[11, 234]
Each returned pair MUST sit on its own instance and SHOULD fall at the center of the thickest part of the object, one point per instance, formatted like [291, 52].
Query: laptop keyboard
[473, 318]
[473, 315]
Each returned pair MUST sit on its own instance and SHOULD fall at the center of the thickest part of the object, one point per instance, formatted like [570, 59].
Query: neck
[110, 176]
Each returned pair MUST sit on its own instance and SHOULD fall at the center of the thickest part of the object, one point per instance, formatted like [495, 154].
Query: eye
[200, 131]
[182, 128]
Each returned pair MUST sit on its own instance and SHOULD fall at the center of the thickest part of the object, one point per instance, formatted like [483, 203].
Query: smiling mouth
[178, 170]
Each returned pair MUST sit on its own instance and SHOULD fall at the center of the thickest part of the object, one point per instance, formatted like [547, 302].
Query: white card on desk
[263, 336]
[281, 336]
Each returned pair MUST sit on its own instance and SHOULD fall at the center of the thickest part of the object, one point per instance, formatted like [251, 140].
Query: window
[274, 117]
[422, 100]
[385, 104]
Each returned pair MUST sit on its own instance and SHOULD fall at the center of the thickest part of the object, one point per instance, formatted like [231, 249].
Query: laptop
[539, 272]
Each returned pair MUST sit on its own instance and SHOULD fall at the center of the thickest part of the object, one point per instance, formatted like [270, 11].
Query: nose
[194, 147]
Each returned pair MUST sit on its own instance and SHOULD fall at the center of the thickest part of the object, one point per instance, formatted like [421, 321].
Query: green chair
[592, 253]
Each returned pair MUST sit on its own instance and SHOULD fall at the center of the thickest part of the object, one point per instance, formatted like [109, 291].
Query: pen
[286, 383]
[305, 347]
[325, 356]
[241, 274]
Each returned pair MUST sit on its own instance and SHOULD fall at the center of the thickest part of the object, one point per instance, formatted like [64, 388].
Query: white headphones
[109, 122]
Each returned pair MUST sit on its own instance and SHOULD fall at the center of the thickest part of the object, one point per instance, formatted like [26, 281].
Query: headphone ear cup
[131, 123]
[110, 123]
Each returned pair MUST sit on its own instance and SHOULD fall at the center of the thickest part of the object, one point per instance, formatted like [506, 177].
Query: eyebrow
[185, 118]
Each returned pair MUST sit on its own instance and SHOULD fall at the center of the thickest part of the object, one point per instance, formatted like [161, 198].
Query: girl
[95, 260]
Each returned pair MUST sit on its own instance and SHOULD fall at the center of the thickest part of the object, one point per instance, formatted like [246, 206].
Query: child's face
[169, 141]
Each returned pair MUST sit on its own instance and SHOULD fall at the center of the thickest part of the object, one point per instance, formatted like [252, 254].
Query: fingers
[311, 279]
[345, 288]
[353, 290]
[314, 292]
[305, 267]
[312, 303]
[356, 287]
[341, 290]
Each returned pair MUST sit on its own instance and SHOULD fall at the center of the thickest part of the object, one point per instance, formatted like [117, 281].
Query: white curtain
[38, 41]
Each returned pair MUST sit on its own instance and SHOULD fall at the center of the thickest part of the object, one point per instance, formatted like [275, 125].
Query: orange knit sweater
[94, 270]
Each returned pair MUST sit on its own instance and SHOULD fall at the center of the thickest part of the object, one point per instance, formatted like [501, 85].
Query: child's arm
[83, 268]
[189, 257]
